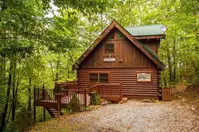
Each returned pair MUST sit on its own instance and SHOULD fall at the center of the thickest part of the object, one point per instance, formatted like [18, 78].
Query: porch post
[58, 105]
[85, 97]
[120, 90]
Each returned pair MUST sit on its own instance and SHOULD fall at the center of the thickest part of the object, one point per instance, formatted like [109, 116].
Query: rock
[124, 100]
[105, 103]
[87, 109]
[121, 102]
[146, 100]
[91, 107]
[82, 109]
[183, 100]
[179, 97]
[192, 108]
[98, 106]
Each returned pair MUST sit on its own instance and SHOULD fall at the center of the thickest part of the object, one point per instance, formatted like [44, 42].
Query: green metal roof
[147, 30]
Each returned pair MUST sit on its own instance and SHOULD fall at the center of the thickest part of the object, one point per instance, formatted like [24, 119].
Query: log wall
[130, 86]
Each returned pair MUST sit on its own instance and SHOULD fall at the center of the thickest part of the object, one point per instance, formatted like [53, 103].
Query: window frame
[98, 73]
[111, 36]
[93, 78]
[105, 48]
[120, 35]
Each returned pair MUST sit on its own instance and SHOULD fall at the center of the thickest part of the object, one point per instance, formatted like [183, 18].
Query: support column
[85, 97]
[120, 90]
[58, 106]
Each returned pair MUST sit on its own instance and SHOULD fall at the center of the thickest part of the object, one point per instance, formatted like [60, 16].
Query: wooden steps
[53, 112]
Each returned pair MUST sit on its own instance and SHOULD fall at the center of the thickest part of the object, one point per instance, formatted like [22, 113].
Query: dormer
[150, 35]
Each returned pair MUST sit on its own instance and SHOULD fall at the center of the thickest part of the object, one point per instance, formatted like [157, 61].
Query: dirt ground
[133, 116]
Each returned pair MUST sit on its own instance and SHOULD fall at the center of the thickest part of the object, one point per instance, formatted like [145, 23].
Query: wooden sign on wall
[109, 59]
[144, 77]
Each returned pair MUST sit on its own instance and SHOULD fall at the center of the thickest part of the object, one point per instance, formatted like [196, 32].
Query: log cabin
[122, 62]
[128, 56]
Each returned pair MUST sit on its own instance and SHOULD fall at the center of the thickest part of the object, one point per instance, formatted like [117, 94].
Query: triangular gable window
[120, 35]
[111, 37]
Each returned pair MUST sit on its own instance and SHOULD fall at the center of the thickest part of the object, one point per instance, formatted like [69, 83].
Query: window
[120, 35]
[143, 77]
[103, 78]
[109, 48]
[99, 77]
[110, 37]
[93, 77]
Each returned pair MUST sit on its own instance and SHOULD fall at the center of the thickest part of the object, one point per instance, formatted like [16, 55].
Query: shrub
[22, 122]
[74, 104]
[97, 100]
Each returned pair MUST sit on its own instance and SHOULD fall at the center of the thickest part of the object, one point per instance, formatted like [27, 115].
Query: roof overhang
[150, 37]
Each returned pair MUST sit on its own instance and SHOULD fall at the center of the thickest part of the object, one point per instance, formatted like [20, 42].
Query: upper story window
[111, 37]
[109, 48]
[120, 35]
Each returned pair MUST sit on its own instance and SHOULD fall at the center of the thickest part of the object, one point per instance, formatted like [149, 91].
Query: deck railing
[44, 94]
[110, 91]
[49, 96]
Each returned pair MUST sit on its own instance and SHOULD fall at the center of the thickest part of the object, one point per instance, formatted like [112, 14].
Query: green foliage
[95, 99]
[41, 48]
[58, 88]
[74, 104]
[23, 120]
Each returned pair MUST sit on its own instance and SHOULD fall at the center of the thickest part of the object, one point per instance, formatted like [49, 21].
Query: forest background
[41, 39]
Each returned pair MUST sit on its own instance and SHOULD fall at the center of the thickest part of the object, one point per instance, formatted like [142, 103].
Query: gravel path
[135, 116]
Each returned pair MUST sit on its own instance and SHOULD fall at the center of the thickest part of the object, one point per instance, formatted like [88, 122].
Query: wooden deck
[50, 103]
[54, 101]
[48, 97]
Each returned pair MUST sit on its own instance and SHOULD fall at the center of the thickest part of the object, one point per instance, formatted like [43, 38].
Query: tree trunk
[29, 94]
[13, 89]
[3, 5]
[3, 121]
[169, 64]
[174, 61]
[57, 70]
[68, 73]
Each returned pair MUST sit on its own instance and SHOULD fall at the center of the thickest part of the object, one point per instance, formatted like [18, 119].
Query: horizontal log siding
[130, 86]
